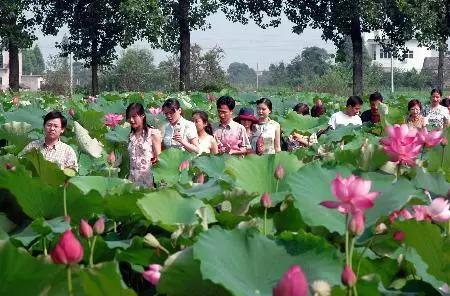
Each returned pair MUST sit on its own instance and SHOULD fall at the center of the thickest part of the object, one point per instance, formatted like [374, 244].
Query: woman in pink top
[144, 146]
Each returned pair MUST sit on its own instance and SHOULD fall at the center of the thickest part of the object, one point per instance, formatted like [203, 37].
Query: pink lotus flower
[153, 273]
[92, 99]
[399, 236]
[184, 165]
[86, 229]
[421, 213]
[154, 111]
[429, 139]
[356, 224]
[201, 179]
[265, 201]
[279, 172]
[348, 277]
[353, 195]
[406, 214]
[68, 250]
[402, 144]
[112, 120]
[293, 283]
[439, 210]
[99, 225]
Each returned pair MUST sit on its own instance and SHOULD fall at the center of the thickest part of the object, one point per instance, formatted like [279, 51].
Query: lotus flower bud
[153, 274]
[111, 158]
[293, 282]
[399, 236]
[71, 112]
[15, 101]
[266, 202]
[201, 179]
[85, 229]
[348, 277]
[151, 241]
[380, 228]
[184, 165]
[9, 166]
[321, 288]
[356, 225]
[68, 250]
[279, 172]
[99, 225]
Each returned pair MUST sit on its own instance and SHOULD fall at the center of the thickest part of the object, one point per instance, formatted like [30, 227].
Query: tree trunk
[94, 85]
[440, 78]
[357, 45]
[185, 44]
[13, 67]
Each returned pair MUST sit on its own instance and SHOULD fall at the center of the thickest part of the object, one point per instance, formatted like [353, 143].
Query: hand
[154, 160]
[178, 138]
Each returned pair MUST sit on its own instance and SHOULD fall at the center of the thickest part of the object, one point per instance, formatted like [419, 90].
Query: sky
[242, 43]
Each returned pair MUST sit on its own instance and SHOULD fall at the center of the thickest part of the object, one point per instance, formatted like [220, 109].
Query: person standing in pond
[376, 108]
[206, 142]
[144, 146]
[247, 118]
[231, 137]
[178, 132]
[51, 146]
[349, 115]
[266, 139]
[415, 118]
[437, 115]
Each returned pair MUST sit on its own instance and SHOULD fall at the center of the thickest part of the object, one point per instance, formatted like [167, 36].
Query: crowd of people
[244, 134]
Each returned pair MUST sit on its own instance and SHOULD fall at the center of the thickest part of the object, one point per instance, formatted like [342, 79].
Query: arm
[156, 146]
[277, 139]
[214, 147]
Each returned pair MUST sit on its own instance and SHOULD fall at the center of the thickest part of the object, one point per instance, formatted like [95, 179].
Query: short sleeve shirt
[437, 117]
[231, 135]
[60, 153]
[341, 119]
[185, 127]
[268, 132]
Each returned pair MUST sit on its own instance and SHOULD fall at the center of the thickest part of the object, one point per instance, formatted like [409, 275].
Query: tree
[57, 76]
[97, 27]
[16, 31]
[241, 74]
[181, 17]
[311, 63]
[33, 61]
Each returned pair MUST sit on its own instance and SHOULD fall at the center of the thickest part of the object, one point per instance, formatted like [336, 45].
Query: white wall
[4, 70]
[33, 82]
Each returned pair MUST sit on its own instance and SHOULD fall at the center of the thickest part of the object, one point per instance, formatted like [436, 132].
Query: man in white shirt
[349, 115]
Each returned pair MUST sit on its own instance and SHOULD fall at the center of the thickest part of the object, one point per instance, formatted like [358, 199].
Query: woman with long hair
[206, 141]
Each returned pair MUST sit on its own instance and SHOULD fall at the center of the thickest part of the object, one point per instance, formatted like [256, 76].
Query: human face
[263, 111]
[53, 129]
[246, 123]
[172, 116]
[199, 123]
[353, 110]
[224, 114]
[415, 111]
[435, 99]
[374, 106]
[136, 121]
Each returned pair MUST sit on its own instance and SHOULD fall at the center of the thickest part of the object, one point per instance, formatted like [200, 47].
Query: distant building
[414, 58]
[31, 82]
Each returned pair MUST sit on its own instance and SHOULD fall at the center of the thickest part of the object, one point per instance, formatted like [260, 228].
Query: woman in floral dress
[436, 114]
[144, 146]
[266, 139]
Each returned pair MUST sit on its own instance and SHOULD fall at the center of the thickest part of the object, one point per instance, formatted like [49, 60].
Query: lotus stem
[44, 243]
[347, 259]
[265, 221]
[276, 188]
[91, 255]
[69, 281]
[65, 199]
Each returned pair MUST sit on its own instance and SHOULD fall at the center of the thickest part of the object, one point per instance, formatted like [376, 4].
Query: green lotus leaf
[213, 166]
[169, 209]
[103, 185]
[251, 264]
[48, 172]
[295, 122]
[118, 135]
[435, 183]
[33, 116]
[166, 170]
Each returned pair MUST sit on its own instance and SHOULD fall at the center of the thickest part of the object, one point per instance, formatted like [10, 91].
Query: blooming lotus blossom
[348, 277]
[86, 229]
[112, 120]
[154, 111]
[353, 194]
[153, 274]
[356, 224]
[429, 139]
[265, 201]
[380, 228]
[402, 144]
[68, 250]
[293, 283]
[421, 213]
[321, 288]
[439, 210]
[99, 225]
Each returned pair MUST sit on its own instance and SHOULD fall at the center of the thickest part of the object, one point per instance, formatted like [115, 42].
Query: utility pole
[71, 74]
[392, 73]
[257, 77]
